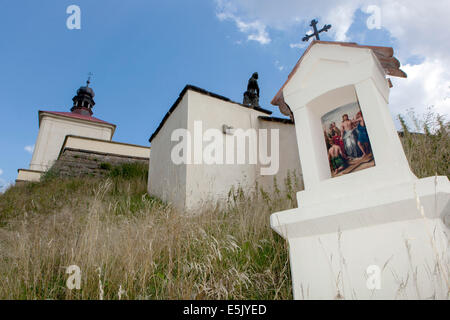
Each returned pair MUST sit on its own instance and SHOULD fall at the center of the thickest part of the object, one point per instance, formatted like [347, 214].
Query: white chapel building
[189, 185]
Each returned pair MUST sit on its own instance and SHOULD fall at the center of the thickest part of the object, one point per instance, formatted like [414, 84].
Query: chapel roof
[276, 119]
[205, 92]
[75, 116]
[385, 56]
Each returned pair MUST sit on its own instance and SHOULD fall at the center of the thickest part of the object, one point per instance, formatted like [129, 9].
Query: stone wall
[81, 162]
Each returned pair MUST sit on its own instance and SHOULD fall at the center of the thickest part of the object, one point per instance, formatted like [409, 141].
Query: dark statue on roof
[251, 96]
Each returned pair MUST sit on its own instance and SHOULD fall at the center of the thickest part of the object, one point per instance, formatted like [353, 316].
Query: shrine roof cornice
[385, 56]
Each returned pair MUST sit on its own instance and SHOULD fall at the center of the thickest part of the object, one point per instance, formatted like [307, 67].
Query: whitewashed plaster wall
[212, 182]
[191, 186]
[289, 160]
[53, 130]
[166, 180]
[110, 147]
[28, 175]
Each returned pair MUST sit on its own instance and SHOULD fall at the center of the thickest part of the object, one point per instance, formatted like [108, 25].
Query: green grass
[428, 152]
[115, 232]
[140, 243]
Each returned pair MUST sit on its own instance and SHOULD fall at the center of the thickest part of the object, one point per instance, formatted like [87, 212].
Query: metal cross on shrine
[316, 32]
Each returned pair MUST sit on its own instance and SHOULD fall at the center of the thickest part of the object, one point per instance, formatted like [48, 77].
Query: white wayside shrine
[377, 232]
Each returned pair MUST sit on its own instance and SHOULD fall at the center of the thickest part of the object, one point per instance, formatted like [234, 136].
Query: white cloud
[341, 18]
[299, 45]
[278, 65]
[284, 14]
[428, 84]
[255, 30]
[29, 149]
[418, 28]
[4, 185]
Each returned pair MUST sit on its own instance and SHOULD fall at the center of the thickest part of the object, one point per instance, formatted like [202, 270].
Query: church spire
[83, 102]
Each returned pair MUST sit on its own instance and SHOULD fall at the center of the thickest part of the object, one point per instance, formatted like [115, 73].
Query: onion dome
[83, 102]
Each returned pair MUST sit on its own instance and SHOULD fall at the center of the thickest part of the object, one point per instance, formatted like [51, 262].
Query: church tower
[83, 102]
[55, 126]
[76, 143]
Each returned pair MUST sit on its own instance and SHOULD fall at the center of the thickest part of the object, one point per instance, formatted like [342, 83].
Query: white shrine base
[334, 242]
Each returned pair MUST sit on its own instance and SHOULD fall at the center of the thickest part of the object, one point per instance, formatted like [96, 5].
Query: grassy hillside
[428, 153]
[131, 246]
[135, 244]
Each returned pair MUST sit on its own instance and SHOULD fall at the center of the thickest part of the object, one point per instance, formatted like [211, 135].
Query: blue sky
[142, 54]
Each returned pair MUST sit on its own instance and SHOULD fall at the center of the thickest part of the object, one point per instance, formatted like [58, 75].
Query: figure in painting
[335, 135]
[327, 137]
[350, 138]
[336, 157]
[363, 137]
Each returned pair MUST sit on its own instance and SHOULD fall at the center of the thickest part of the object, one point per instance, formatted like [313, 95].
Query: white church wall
[109, 147]
[194, 183]
[28, 175]
[289, 160]
[52, 133]
[212, 182]
[167, 180]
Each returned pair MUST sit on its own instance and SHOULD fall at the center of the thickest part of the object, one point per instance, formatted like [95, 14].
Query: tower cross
[316, 32]
[90, 74]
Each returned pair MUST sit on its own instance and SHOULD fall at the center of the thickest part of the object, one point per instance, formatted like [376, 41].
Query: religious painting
[347, 140]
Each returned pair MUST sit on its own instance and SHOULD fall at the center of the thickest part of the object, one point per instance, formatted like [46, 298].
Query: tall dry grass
[131, 246]
[125, 241]
[426, 143]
